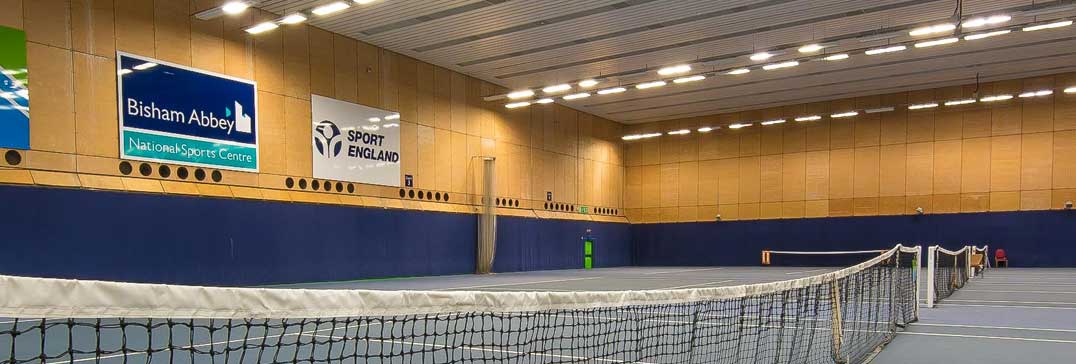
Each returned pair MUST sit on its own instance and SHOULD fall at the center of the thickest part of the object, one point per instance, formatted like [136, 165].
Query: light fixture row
[682, 71]
[238, 7]
[851, 113]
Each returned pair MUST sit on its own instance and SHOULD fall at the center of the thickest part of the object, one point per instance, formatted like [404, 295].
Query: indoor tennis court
[539, 181]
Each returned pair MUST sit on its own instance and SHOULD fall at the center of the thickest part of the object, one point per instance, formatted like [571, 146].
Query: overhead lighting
[689, 79]
[987, 35]
[738, 71]
[330, 8]
[392, 117]
[1039, 93]
[124, 72]
[811, 48]
[879, 110]
[984, 21]
[931, 43]
[923, 106]
[520, 94]
[844, 114]
[614, 90]
[773, 122]
[543, 101]
[262, 27]
[774, 66]
[517, 104]
[581, 95]
[959, 102]
[1058, 24]
[762, 56]
[145, 66]
[646, 85]
[890, 49]
[933, 29]
[640, 136]
[996, 98]
[1071, 90]
[293, 19]
[679, 132]
[588, 83]
[673, 70]
[809, 118]
[706, 129]
[234, 7]
[557, 88]
[739, 126]
[881, 36]
[836, 57]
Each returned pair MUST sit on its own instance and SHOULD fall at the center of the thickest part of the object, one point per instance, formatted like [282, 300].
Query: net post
[970, 273]
[917, 266]
[932, 264]
[838, 330]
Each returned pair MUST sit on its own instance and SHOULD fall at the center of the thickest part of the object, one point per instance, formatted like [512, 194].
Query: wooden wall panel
[1005, 163]
[975, 165]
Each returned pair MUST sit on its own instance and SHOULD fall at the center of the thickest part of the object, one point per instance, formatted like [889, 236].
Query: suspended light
[931, 43]
[1037, 93]
[1071, 90]
[811, 48]
[588, 83]
[996, 98]
[844, 114]
[557, 88]
[330, 8]
[581, 95]
[543, 101]
[891, 49]
[959, 102]
[517, 104]
[521, 94]
[738, 71]
[809, 118]
[293, 19]
[673, 70]
[234, 7]
[689, 79]
[984, 21]
[1059, 24]
[646, 85]
[706, 129]
[923, 106]
[739, 126]
[836, 57]
[933, 29]
[774, 66]
[614, 90]
[773, 122]
[987, 35]
[761, 56]
[879, 110]
[679, 132]
[262, 27]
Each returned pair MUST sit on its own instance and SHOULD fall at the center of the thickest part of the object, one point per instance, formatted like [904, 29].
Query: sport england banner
[355, 143]
[175, 114]
[14, 91]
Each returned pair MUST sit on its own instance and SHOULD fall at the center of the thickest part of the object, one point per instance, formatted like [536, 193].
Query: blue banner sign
[174, 114]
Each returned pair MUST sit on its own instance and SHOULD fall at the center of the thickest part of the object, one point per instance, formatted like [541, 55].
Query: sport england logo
[326, 139]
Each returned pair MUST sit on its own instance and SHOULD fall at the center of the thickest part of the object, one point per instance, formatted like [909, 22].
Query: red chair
[999, 258]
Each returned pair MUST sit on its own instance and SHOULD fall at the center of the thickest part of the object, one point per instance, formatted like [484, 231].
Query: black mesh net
[950, 272]
[839, 320]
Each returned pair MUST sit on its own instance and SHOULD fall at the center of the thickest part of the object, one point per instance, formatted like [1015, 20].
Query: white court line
[989, 337]
[997, 291]
[943, 303]
[1003, 301]
[520, 283]
[995, 327]
[681, 271]
[699, 284]
[807, 271]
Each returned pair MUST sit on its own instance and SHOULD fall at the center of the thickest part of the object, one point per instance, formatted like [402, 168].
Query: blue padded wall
[87, 234]
[1031, 238]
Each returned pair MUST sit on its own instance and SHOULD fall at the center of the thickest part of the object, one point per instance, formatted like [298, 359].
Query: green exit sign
[584, 210]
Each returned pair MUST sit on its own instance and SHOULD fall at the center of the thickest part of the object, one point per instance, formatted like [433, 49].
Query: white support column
[931, 264]
[918, 280]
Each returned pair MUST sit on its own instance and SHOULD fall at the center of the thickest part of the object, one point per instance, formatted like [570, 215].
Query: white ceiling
[535, 43]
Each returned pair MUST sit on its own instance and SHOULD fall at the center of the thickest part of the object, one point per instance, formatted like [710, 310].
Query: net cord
[839, 252]
[26, 297]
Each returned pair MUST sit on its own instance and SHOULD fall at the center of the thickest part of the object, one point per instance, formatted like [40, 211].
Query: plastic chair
[1000, 258]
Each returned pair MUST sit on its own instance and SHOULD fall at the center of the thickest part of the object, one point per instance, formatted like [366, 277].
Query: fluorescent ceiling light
[881, 36]
[995, 98]
[891, 49]
[330, 8]
[738, 71]
[987, 35]
[1037, 93]
[1071, 90]
[706, 129]
[844, 114]
[543, 101]
[984, 21]
[517, 104]
[879, 110]
[293, 19]
[761, 56]
[588, 83]
[689, 79]
[739, 125]
[646, 85]
[836, 57]
[262, 27]
[931, 43]
[809, 118]
[959, 102]
[933, 29]
[581, 95]
[672, 70]
[923, 106]
[679, 132]
[614, 90]
[234, 7]
[520, 94]
[145, 66]
[1058, 24]
[557, 88]
[640, 136]
[392, 117]
[811, 48]
[774, 66]
[773, 122]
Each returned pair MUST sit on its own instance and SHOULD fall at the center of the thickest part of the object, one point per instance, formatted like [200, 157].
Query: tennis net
[838, 317]
[948, 272]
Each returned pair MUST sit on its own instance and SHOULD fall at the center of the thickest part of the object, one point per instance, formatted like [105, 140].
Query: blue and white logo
[327, 139]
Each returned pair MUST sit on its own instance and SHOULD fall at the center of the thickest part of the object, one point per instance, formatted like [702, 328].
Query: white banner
[355, 143]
